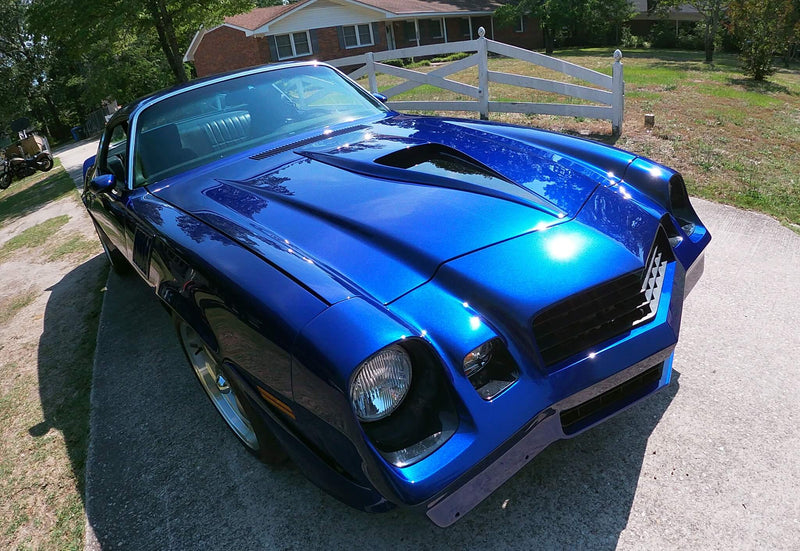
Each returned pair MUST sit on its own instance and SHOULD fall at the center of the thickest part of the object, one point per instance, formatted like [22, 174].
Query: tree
[568, 18]
[168, 23]
[712, 12]
[25, 59]
[791, 26]
[763, 28]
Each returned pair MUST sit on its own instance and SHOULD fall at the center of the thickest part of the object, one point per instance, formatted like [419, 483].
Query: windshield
[211, 122]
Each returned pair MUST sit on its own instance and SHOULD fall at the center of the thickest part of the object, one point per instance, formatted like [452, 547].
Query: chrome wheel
[215, 383]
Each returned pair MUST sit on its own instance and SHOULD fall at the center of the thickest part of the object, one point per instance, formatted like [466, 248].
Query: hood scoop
[439, 160]
[432, 164]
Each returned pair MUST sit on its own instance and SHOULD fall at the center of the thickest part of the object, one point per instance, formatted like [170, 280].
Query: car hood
[375, 209]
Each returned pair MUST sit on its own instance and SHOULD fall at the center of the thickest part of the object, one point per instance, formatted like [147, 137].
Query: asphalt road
[709, 463]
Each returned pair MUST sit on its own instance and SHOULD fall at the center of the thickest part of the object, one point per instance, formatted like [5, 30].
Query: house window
[410, 31]
[293, 45]
[436, 28]
[357, 35]
[463, 23]
[519, 27]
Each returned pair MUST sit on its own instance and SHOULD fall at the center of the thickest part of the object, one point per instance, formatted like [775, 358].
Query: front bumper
[564, 419]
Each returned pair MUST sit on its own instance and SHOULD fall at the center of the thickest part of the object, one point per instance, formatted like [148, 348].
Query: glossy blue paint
[87, 165]
[299, 258]
[102, 183]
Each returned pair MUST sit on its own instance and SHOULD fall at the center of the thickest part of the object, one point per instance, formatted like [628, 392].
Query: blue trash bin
[76, 132]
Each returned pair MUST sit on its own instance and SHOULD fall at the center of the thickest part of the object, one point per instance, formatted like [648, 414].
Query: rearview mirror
[102, 183]
[380, 97]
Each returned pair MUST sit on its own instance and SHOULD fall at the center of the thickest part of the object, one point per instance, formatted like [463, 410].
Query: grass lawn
[50, 301]
[735, 141]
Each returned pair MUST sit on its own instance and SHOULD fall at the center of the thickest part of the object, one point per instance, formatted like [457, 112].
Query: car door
[108, 206]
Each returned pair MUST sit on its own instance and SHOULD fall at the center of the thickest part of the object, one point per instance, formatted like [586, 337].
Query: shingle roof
[259, 17]
[433, 6]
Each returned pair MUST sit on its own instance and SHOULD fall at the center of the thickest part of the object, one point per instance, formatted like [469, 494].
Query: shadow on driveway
[65, 355]
[165, 472]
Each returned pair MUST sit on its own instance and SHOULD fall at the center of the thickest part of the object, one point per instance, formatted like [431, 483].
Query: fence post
[373, 81]
[618, 94]
[483, 75]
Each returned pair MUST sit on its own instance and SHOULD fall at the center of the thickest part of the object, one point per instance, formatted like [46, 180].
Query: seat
[160, 149]
[229, 130]
[268, 109]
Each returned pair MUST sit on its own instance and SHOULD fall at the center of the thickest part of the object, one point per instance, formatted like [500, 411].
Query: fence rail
[609, 94]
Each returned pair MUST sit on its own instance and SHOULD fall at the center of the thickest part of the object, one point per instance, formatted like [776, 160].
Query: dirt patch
[49, 303]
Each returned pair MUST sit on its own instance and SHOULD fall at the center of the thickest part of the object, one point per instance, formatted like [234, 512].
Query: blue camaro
[410, 308]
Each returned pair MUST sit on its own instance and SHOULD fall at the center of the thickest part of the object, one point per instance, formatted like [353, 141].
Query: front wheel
[5, 180]
[231, 402]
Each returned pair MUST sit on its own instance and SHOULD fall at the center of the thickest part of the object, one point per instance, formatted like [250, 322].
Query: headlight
[477, 359]
[381, 383]
[490, 369]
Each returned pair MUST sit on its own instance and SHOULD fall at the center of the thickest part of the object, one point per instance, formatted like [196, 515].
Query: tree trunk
[548, 40]
[709, 43]
[162, 21]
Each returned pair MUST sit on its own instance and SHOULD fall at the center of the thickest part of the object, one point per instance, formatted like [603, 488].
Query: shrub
[759, 26]
[414, 65]
[630, 40]
[689, 36]
[450, 58]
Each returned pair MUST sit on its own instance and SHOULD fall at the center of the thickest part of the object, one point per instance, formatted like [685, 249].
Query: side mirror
[87, 165]
[380, 97]
[102, 183]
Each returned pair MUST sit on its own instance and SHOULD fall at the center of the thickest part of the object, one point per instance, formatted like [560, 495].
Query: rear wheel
[44, 162]
[5, 180]
[222, 388]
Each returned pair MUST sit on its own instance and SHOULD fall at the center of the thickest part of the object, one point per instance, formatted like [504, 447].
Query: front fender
[246, 310]
[325, 355]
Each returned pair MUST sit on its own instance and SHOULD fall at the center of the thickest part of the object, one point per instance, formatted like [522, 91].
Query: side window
[113, 156]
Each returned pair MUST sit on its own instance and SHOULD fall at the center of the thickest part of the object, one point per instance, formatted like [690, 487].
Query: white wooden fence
[610, 93]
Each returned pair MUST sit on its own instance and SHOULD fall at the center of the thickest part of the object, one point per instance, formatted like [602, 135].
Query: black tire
[223, 389]
[44, 162]
[5, 180]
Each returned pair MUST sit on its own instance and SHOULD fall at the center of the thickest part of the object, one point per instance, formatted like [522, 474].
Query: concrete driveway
[710, 463]
[73, 155]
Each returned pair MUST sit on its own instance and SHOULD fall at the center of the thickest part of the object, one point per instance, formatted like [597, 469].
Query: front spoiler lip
[541, 431]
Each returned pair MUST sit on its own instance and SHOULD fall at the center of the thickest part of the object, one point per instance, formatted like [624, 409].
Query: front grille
[604, 311]
[583, 415]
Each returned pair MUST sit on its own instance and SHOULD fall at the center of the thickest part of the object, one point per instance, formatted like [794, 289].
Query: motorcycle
[16, 167]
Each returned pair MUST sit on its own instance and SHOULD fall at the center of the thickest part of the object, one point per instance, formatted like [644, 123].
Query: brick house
[330, 29]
